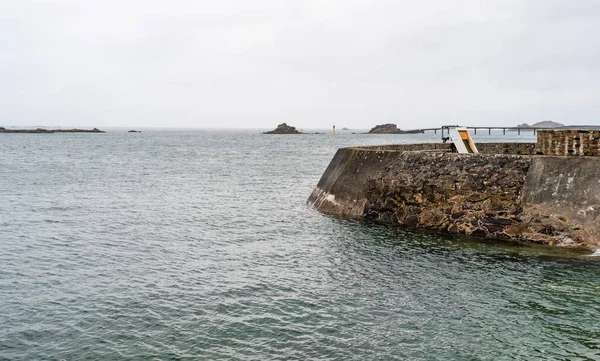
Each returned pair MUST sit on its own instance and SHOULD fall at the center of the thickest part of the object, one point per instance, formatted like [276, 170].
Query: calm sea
[185, 245]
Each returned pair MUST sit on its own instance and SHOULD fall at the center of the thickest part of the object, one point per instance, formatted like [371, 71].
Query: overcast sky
[257, 63]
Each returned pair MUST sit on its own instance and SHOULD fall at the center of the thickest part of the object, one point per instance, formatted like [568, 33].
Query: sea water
[183, 245]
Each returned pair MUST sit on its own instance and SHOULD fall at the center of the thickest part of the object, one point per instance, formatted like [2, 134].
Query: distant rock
[134, 131]
[544, 124]
[547, 124]
[390, 129]
[384, 129]
[42, 130]
[345, 129]
[283, 128]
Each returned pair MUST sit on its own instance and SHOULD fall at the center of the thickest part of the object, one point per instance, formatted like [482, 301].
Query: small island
[391, 129]
[134, 131]
[544, 124]
[283, 128]
[50, 131]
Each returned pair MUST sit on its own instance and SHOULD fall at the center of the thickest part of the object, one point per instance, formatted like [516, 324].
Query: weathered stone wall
[545, 199]
[568, 142]
[506, 148]
[340, 189]
[462, 193]
[444, 147]
[561, 200]
[484, 148]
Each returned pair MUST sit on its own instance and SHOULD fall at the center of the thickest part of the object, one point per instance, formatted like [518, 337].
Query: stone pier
[510, 191]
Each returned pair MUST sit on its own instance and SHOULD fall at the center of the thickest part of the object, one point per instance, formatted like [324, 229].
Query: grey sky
[234, 63]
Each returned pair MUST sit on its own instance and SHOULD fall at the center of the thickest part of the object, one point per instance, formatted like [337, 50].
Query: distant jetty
[283, 128]
[391, 129]
[49, 131]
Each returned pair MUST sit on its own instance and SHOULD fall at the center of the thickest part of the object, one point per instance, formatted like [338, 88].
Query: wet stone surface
[476, 195]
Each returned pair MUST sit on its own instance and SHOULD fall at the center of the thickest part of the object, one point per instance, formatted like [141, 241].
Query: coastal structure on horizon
[545, 125]
[545, 192]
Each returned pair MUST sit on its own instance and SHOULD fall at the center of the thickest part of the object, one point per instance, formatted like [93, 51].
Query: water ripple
[198, 245]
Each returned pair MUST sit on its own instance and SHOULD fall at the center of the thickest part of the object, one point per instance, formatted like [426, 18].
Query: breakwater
[510, 191]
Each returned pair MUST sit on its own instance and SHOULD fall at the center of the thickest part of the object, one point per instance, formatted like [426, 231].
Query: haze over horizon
[235, 64]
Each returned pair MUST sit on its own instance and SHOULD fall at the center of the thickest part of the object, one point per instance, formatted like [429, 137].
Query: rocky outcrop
[547, 124]
[48, 131]
[384, 129]
[544, 124]
[390, 129]
[283, 128]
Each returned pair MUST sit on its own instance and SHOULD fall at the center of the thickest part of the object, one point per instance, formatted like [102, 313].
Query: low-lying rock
[49, 131]
[283, 128]
[390, 129]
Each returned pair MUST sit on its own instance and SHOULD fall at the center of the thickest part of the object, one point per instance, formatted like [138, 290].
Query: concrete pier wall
[341, 188]
[503, 193]
[561, 199]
